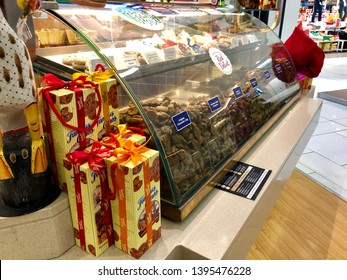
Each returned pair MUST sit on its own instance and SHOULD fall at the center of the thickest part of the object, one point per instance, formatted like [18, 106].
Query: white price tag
[151, 56]
[131, 62]
[170, 53]
[252, 38]
[234, 42]
[126, 61]
[244, 40]
[95, 61]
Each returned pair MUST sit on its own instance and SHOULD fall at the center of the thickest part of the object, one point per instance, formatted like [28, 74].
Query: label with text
[181, 120]
[214, 104]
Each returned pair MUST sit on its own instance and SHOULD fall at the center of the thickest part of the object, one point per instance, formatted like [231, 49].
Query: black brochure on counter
[244, 180]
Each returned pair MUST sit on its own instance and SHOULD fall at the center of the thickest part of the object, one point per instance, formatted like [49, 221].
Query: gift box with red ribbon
[71, 111]
[108, 87]
[89, 198]
[133, 174]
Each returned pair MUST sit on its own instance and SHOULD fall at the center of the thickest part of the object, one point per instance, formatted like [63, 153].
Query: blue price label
[287, 63]
[267, 75]
[253, 82]
[214, 104]
[238, 92]
[278, 68]
[181, 120]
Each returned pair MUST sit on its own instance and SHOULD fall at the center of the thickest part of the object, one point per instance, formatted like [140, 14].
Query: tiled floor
[325, 157]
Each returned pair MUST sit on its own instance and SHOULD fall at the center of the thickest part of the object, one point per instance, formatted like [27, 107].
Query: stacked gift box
[89, 195]
[133, 174]
[111, 177]
[76, 113]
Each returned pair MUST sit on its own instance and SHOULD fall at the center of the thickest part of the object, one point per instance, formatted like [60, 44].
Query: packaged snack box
[71, 112]
[108, 87]
[89, 195]
[133, 173]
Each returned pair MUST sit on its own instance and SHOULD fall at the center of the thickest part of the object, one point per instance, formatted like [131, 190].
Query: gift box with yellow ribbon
[124, 133]
[133, 174]
[89, 198]
[108, 87]
[71, 111]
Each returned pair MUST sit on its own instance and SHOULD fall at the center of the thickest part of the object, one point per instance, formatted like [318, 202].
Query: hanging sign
[221, 61]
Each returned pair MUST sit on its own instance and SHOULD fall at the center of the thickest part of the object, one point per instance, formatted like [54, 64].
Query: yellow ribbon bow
[115, 140]
[97, 76]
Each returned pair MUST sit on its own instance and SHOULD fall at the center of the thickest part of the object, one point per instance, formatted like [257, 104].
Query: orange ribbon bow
[130, 151]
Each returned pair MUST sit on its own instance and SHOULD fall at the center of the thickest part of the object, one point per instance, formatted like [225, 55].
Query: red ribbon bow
[54, 83]
[95, 157]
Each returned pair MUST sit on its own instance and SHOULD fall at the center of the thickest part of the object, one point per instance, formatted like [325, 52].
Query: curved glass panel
[202, 81]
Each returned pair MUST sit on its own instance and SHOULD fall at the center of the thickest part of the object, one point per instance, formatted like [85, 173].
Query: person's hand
[29, 6]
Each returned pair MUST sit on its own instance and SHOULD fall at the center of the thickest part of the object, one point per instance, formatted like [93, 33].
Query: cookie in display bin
[249, 4]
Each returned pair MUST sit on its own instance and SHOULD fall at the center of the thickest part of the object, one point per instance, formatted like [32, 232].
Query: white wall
[290, 18]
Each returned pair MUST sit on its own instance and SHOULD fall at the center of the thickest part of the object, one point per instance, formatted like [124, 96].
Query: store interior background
[309, 218]
[324, 159]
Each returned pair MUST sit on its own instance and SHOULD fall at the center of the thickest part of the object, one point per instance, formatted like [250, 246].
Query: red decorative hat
[308, 58]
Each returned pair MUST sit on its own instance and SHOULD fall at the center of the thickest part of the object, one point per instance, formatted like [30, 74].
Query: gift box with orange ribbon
[133, 174]
[108, 87]
[71, 110]
[89, 198]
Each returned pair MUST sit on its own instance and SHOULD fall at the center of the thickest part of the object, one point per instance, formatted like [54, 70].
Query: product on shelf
[207, 140]
[88, 192]
[267, 4]
[73, 38]
[249, 4]
[136, 208]
[70, 117]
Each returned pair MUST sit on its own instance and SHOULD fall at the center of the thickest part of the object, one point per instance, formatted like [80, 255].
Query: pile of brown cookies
[192, 151]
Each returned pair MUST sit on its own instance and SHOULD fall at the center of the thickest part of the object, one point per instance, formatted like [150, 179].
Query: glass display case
[205, 83]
